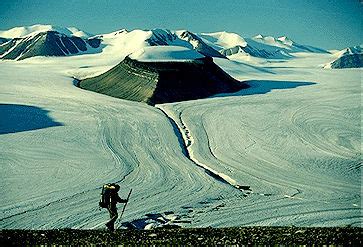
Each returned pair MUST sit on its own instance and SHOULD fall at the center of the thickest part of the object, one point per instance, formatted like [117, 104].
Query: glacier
[286, 151]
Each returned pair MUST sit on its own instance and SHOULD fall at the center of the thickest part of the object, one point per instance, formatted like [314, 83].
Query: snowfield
[287, 151]
[165, 54]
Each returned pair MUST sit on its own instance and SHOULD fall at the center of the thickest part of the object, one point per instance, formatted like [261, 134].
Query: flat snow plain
[294, 137]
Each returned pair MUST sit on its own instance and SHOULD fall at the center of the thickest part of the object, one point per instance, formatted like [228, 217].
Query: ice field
[286, 151]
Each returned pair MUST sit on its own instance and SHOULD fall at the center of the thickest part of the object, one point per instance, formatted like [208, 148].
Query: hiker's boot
[110, 227]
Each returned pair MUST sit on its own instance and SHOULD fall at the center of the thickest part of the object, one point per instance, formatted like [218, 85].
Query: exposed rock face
[187, 39]
[348, 61]
[3, 40]
[253, 52]
[163, 82]
[50, 43]
[350, 57]
[161, 37]
[199, 45]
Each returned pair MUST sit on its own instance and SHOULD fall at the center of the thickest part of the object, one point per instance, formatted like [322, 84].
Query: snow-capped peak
[283, 38]
[76, 32]
[350, 57]
[258, 36]
[350, 51]
[265, 38]
[114, 34]
[225, 39]
[354, 50]
[21, 32]
[160, 36]
[271, 41]
[286, 40]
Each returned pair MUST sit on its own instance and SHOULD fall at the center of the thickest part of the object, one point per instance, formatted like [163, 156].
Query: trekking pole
[127, 200]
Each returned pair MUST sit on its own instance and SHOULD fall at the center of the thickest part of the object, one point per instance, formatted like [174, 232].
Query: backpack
[107, 189]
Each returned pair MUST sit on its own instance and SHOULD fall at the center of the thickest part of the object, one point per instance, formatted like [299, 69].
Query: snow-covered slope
[230, 44]
[284, 152]
[22, 38]
[247, 49]
[164, 54]
[350, 51]
[162, 37]
[165, 37]
[198, 44]
[223, 40]
[286, 43]
[48, 43]
[351, 57]
[293, 138]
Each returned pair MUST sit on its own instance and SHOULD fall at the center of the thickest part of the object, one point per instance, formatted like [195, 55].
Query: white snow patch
[165, 53]
[224, 39]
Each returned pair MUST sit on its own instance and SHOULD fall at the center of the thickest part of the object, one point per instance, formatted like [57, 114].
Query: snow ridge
[22, 32]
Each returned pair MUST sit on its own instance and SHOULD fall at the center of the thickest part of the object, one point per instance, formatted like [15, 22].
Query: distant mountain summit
[48, 43]
[165, 37]
[351, 57]
[45, 40]
[287, 44]
[199, 45]
[21, 32]
[231, 44]
[267, 47]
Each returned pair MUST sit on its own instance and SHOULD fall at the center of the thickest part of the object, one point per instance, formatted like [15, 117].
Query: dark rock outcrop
[253, 52]
[350, 57]
[163, 82]
[161, 37]
[3, 40]
[200, 46]
[348, 61]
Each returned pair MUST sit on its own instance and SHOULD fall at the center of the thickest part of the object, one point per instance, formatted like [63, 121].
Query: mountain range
[46, 40]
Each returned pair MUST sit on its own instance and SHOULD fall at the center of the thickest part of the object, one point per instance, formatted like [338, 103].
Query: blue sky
[324, 23]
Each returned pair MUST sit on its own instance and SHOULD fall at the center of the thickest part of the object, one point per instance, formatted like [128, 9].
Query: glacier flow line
[185, 143]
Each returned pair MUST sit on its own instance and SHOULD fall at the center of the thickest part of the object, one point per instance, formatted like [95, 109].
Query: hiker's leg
[113, 217]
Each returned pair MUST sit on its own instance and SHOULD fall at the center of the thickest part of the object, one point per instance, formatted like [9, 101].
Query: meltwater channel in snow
[285, 151]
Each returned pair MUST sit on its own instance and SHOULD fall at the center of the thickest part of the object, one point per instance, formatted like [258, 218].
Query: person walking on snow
[114, 198]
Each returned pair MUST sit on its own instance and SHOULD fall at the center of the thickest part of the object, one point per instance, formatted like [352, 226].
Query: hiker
[111, 190]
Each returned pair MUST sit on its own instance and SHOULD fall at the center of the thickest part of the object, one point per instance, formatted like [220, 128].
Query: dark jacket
[115, 198]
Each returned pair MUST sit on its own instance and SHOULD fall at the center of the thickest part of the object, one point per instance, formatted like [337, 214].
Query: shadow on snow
[265, 86]
[18, 118]
[156, 220]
